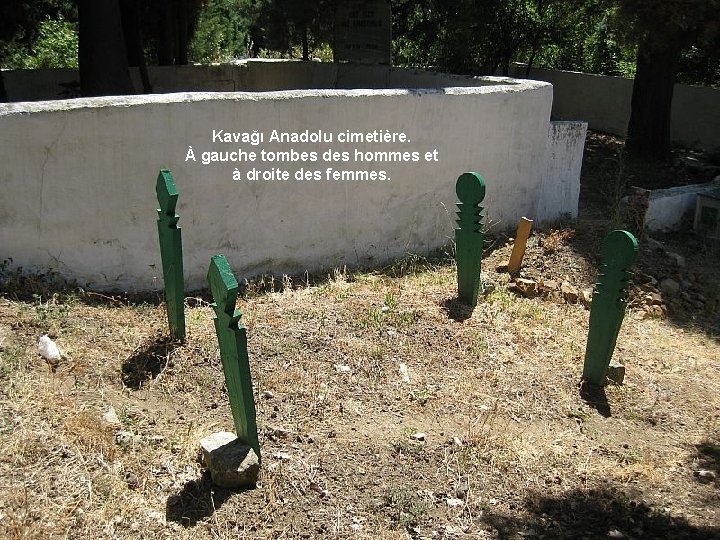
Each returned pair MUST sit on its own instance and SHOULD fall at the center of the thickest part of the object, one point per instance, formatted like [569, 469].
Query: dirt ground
[488, 436]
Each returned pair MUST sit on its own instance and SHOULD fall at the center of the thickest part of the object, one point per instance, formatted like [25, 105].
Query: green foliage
[292, 28]
[38, 33]
[56, 46]
[222, 32]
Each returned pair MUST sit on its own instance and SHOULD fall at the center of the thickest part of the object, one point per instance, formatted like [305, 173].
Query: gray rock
[231, 463]
[616, 372]
[670, 287]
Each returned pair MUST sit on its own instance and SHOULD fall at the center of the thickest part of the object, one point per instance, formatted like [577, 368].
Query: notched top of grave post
[470, 188]
[167, 193]
[619, 249]
[224, 287]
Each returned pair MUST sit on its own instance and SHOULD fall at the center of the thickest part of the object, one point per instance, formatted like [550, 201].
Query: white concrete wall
[78, 178]
[669, 208]
[251, 75]
[604, 103]
[560, 188]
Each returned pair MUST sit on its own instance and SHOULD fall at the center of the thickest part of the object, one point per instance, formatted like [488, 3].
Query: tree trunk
[649, 127]
[305, 45]
[3, 93]
[130, 11]
[165, 42]
[102, 55]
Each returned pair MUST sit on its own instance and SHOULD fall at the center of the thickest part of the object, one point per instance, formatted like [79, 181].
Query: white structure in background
[78, 176]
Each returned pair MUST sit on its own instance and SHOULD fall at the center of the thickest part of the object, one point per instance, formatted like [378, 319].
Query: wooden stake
[521, 237]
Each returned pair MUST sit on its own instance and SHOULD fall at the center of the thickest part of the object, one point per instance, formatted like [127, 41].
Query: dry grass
[510, 443]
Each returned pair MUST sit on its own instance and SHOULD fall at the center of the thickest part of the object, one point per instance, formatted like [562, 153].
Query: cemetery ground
[484, 433]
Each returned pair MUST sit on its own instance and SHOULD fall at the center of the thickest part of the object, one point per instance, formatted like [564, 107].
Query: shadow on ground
[600, 513]
[147, 361]
[457, 310]
[706, 462]
[197, 500]
[596, 398]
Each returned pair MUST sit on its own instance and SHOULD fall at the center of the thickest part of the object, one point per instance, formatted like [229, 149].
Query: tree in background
[663, 30]
[222, 32]
[102, 55]
[468, 36]
[22, 22]
[282, 25]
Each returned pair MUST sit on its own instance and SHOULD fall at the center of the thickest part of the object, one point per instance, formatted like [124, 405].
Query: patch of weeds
[22, 284]
[50, 312]
[11, 360]
[481, 347]
[500, 296]
[631, 456]
[374, 319]
[6, 423]
[406, 507]
[422, 395]
[531, 311]
[409, 265]
[390, 300]
[408, 318]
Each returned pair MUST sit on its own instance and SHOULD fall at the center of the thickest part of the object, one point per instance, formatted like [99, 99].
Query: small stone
[670, 287]
[452, 502]
[231, 463]
[678, 259]
[655, 299]
[526, 287]
[267, 394]
[279, 433]
[403, 369]
[342, 368]
[616, 372]
[487, 286]
[549, 285]
[569, 292]
[124, 438]
[111, 417]
[705, 475]
[614, 533]
[419, 436]
[657, 311]
[131, 480]
[282, 456]
[385, 309]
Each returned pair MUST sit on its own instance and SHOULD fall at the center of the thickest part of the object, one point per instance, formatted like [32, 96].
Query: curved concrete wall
[604, 103]
[78, 178]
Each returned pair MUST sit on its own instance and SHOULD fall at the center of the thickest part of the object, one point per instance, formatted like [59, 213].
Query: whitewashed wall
[78, 178]
[604, 103]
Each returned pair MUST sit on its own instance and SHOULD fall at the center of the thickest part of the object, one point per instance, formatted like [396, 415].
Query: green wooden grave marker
[469, 235]
[232, 340]
[171, 253]
[619, 251]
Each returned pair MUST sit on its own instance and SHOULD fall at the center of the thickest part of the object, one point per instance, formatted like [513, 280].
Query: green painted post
[232, 340]
[469, 236]
[619, 251]
[171, 253]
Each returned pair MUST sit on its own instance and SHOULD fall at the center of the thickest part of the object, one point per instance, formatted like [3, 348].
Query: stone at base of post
[615, 372]
[231, 464]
